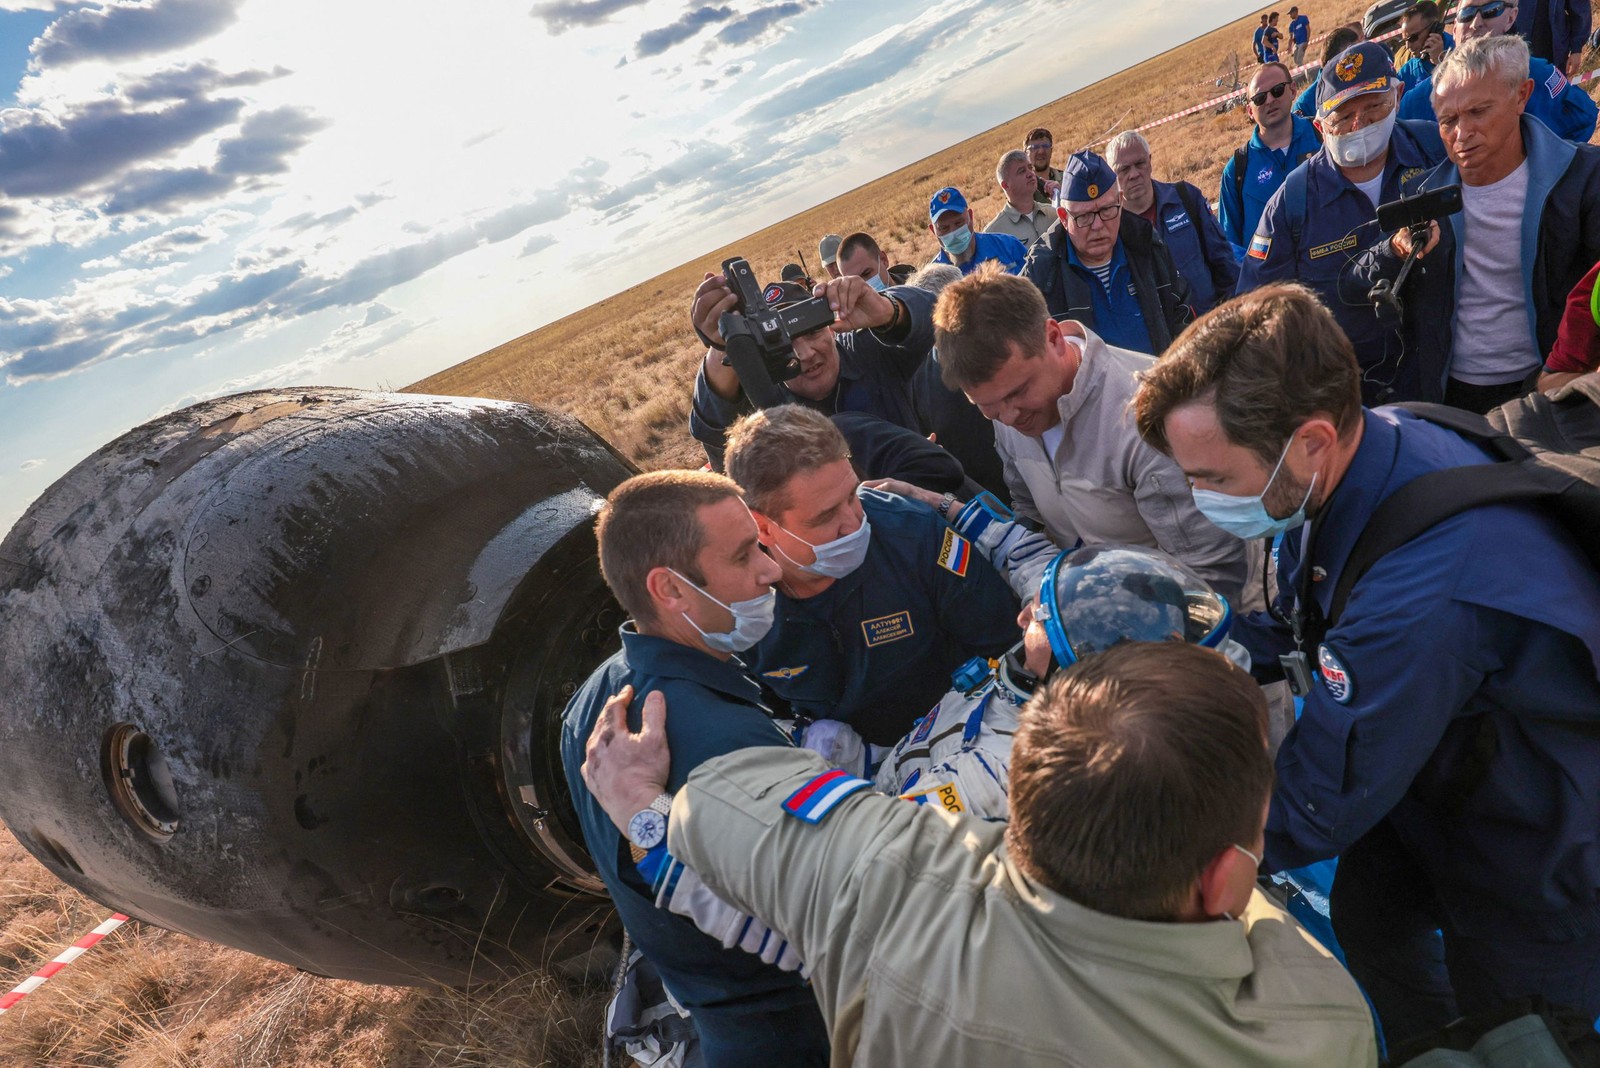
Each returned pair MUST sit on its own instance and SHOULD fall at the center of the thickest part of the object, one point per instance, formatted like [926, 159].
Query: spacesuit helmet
[1093, 598]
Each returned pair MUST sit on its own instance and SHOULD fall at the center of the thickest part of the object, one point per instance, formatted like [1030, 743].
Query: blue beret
[947, 199]
[1360, 69]
[1087, 177]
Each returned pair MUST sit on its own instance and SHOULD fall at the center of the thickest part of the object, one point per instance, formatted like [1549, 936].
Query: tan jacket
[1025, 228]
[1105, 485]
[927, 945]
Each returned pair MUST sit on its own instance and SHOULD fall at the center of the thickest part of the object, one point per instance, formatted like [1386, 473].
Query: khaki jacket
[926, 944]
[1025, 228]
[1105, 485]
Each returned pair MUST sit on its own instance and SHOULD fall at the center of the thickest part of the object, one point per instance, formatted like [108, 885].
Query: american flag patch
[818, 797]
[955, 553]
[1556, 82]
[1260, 245]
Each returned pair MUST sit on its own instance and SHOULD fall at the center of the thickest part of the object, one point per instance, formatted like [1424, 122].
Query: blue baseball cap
[1360, 69]
[1087, 177]
[947, 199]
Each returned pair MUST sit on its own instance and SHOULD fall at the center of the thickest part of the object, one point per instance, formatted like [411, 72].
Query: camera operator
[1490, 304]
[863, 363]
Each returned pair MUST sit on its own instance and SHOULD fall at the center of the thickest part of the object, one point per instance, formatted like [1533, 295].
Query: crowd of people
[971, 697]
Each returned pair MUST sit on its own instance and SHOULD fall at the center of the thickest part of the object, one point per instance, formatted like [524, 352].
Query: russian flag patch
[818, 797]
[1260, 245]
[955, 553]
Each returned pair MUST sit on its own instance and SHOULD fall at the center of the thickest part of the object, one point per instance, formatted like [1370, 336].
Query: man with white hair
[1179, 213]
[1556, 102]
[1488, 309]
[1021, 217]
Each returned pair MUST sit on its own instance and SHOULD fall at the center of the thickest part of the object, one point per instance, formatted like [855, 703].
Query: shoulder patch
[946, 797]
[1335, 676]
[820, 795]
[786, 672]
[1260, 245]
[955, 553]
[1555, 83]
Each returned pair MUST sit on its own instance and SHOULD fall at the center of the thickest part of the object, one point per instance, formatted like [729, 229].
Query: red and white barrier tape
[67, 956]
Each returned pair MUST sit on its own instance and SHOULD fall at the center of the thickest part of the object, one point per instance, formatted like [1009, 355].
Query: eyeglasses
[1492, 10]
[1081, 219]
[1039, 146]
[1275, 92]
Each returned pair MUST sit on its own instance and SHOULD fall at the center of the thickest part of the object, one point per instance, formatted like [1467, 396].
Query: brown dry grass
[146, 997]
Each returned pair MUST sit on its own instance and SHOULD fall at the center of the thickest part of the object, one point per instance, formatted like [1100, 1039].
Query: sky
[199, 197]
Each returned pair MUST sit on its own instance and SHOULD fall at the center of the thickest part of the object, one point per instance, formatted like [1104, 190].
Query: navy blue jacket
[874, 377]
[1239, 210]
[1002, 248]
[1556, 102]
[1565, 30]
[1431, 705]
[1199, 250]
[746, 1012]
[1149, 303]
[1338, 224]
[1560, 243]
[876, 648]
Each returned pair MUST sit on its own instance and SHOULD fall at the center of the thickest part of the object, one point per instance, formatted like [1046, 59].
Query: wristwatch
[647, 828]
[944, 505]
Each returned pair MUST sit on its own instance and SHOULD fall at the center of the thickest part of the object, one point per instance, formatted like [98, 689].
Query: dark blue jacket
[1199, 251]
[1419, 68]
[1337, 223]
[1564, 32]
[874, 377]
[1002, 248]
[1239, 210]
[876, 648]
[1149, 303]
[1560, 243]
[1556, 102]
[1435, 689]
[746, 1012]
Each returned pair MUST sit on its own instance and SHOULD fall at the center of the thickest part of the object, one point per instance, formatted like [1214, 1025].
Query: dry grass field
[146, 997]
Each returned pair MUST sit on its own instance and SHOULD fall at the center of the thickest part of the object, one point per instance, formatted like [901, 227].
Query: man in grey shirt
[1022, 217]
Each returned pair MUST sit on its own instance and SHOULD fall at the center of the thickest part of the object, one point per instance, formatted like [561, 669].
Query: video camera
[760, 338]
[1414, 214]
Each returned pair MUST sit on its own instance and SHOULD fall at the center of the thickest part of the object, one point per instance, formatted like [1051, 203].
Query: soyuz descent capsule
[285, 671]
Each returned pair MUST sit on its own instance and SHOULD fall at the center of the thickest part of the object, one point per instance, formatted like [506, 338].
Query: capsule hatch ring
[139, 781]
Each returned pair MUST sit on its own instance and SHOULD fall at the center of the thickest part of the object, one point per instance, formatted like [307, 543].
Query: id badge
[1297, 670]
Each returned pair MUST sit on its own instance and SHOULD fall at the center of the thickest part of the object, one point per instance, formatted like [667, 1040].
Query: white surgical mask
[1364, 145]
[1247, 517]
[751, 619]
[837, 558]
[877, 283]
[957, 241]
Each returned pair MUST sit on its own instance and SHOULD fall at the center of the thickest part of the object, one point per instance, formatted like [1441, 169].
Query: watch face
[647, 829]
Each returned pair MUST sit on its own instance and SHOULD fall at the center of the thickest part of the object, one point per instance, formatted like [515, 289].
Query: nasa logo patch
[1335, 676]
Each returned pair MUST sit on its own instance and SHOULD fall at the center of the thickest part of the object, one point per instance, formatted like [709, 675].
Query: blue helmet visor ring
[1093, 598]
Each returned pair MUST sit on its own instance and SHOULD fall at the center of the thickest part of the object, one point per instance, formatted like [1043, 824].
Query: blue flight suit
[1556, 102]
[1337, 223]
[876, 648]
[746, 1012]
[1199, 250]
[1419, 68]
[1431, 729]
[1239, 210]
[1305, 104]
[1004, 248]
[875, 376]
[1117, 316]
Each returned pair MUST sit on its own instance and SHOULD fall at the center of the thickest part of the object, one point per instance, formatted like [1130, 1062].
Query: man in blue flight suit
[1425, 39]
[865, 362]
[1448, 749]
[1180, 214]
[1325, 214]
[1253, 173]
[679, 551]
[1556, 102]
[880, 600]
[961, 243]
[1106, 268]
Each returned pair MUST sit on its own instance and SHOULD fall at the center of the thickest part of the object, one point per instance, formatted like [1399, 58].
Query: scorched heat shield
[285, 671]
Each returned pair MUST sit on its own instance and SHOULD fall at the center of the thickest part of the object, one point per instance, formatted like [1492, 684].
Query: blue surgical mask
[837, 558]
[877, 283]
[1247, 517]
[957, 241]
[751, 620]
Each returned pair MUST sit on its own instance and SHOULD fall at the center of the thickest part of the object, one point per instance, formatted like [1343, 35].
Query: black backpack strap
[1241, 163]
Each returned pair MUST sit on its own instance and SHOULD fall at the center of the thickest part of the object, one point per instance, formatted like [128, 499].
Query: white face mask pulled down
[752, 619]
[1361, 147]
